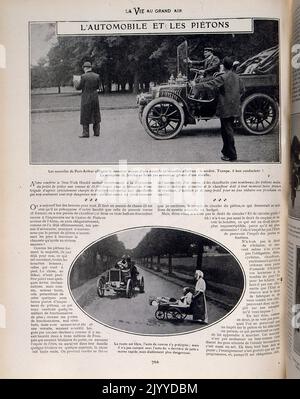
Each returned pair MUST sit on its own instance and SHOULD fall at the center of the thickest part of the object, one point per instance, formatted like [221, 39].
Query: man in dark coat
[90, 110]
[210, 64]
[133, 270]
[230, 88]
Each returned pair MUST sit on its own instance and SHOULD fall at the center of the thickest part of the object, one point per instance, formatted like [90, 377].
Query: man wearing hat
[230, 89]
[89, 110]
[210, 64]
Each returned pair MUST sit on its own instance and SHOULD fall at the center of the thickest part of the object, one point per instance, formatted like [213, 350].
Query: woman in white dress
[199, 306]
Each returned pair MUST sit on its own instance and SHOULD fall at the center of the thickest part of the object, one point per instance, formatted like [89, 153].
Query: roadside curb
[180, 283]
[83, 295]
[77, 109]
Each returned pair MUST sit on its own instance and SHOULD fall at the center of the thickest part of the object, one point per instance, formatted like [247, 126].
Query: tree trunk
[158, 263]
[108, 87]
[102, 86]
[103, 266]
[151, 262]
[123, 87]
[100, 266]
[130, 87]
[136, 83]
[200, 255]
[94, 259]
[58, 89]
[170, 266]
[107, 83]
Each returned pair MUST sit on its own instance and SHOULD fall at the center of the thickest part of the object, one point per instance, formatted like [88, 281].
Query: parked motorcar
[167, 107]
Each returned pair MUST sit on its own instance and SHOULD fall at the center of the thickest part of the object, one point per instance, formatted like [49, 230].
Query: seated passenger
[184, 302]
[133, 270]
[122, 264]
[211, 66]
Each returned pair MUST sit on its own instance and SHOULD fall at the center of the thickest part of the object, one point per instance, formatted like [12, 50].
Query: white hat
[199, 274]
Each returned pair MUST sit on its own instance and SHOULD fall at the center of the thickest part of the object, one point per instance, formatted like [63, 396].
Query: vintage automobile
[119, 281]
[168, 107]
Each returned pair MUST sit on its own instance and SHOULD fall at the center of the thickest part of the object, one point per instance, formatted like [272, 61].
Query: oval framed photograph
[156, 281]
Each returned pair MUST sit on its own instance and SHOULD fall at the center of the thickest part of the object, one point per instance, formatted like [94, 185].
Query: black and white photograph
[156, 281]
[297, 301]
[294, 200]
[155, 98]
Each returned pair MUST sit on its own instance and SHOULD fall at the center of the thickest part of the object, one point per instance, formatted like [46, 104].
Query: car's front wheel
[163, 118]
[129, 289]
[100, 288]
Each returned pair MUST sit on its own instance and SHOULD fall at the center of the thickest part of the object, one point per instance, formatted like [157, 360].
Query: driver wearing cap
[210, 64]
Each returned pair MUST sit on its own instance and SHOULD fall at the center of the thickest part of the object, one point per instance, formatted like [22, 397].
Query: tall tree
[138, 60]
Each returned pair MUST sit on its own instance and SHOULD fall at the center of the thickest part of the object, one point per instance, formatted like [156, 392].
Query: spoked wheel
[129, 289]
[160, 314]
[260, 114]
[163, 118]
[100, 288]
[175, 315]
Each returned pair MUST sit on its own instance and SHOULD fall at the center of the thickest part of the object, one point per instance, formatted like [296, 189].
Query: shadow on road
[198, 131]
[113, 296]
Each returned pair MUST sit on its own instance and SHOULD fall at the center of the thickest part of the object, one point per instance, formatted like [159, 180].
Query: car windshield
[182, 58]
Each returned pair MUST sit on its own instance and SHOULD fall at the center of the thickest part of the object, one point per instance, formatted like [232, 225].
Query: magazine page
[293, 319]
[144, 189]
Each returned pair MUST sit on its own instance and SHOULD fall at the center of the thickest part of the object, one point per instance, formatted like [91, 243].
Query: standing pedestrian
[230, 89]
[90, 109]
[198, 306]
